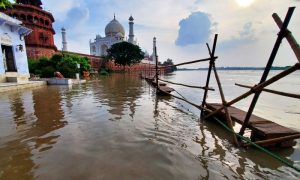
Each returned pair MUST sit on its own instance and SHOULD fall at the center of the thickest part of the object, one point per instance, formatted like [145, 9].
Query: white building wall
[10, 37]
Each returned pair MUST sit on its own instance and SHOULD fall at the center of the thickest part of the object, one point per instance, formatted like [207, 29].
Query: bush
[68, 68]
[65, 64]
[47, 72]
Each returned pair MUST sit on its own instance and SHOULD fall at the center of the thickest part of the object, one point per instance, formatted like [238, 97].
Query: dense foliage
[169, 62]
[125, 53]
[65, 64]
[4, 4]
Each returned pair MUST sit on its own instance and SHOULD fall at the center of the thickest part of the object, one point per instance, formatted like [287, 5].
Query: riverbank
[12, 86]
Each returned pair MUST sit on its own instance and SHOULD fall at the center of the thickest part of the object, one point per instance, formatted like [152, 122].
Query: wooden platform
[262, 129]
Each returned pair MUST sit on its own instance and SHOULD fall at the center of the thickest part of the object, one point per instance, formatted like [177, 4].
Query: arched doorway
[104, 50]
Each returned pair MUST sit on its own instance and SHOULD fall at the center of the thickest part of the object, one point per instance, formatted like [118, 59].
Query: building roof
[14, 23]
[36, 3]
[113, 28]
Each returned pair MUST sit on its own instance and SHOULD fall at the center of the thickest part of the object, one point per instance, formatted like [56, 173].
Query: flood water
[117, 128]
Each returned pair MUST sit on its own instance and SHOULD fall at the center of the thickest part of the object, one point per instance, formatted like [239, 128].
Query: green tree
[169, 62]
[125, 53]
[4, 4]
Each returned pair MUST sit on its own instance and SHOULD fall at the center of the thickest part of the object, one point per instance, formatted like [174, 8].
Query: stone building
[114, 33]
[40, 43]
[13, 58]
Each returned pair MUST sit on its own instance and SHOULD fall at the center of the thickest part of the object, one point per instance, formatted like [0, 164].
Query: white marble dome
[113, 28]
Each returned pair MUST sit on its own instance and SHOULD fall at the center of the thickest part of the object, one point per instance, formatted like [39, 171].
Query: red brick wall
[136, 68]
[40, 42]
[36, 52]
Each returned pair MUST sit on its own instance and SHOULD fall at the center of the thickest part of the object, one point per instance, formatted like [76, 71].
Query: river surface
[117, 128]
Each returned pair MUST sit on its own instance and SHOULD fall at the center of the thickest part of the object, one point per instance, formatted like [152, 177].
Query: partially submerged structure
[263, 132]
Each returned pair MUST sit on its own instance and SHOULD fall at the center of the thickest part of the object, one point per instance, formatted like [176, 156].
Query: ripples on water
[116, 128]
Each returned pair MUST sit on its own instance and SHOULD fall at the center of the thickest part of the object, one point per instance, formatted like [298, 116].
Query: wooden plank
[272, 130]
[261, 128]
[238, 115]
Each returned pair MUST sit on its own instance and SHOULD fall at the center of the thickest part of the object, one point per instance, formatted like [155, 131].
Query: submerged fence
[256, 89]
[238, 138]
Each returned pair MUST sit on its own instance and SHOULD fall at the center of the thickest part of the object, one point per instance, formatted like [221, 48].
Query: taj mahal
[114, 33]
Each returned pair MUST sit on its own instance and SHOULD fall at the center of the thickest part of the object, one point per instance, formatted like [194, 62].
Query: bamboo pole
[196, 87]
[156, 64]
[264, 77]
[190, 62]
[273, 91]
[289, 36]
[228, 117]
[185, 100]
[211, 61]
[275, 140]
[257, 88]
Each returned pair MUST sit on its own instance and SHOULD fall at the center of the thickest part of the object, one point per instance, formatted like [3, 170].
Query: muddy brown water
[117, 128]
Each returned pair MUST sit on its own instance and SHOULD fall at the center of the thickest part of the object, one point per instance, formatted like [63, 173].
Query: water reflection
[33, 131]
[119, 92]
[117, 128]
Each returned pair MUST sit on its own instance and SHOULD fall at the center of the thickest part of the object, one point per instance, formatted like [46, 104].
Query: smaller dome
[98, 36]
[113, 28]
[131, 18]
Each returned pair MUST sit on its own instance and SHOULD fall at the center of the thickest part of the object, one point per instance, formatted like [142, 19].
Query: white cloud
[251, 29]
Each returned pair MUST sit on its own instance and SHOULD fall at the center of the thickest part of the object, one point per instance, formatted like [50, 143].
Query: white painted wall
[20, 57]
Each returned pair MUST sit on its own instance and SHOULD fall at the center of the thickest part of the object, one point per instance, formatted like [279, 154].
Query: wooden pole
[196, 87]
[268, 67]
[156, 65]
[275, 140]
[259, 87]
[189, 62]
[211, 61]
[273, 91]
[289, 36]
[228, 117]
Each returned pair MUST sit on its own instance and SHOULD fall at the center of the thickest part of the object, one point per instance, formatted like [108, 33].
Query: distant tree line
[168, 62]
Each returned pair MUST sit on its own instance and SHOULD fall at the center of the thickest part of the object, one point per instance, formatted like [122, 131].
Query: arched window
[15, 15]
[42, 21]
[104, 50]
[35, 20]
[22, 17]
[29, 18]
[47, 23]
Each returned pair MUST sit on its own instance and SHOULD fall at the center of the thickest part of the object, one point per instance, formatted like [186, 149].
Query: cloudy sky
[246, 29]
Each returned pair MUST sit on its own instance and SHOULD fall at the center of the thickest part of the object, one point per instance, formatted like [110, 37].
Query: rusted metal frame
[196, 87]
[289, 36]
[273, 91]
[228, 117]
[259, 87]
[275, 140]
[268, 67]
[211, 62]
